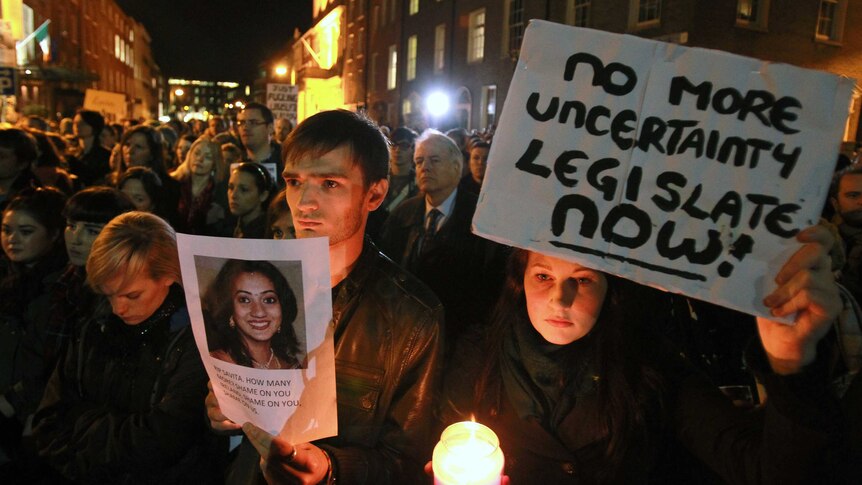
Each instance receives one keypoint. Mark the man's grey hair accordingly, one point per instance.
(433, 136)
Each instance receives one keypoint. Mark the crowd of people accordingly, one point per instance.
(584, 376)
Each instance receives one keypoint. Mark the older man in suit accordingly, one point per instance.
(429, 235)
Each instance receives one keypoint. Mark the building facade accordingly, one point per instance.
(80, 45)
(394, 57)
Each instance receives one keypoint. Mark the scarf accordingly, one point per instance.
(543, 380)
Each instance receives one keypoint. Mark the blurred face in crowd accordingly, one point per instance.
(282, 129)
(401, 158)
(256, 308)
(202, 160)
(478, 163)
(140, 198)
(436, 170)
(282, 228)
(108, 138)
(563, 298)
(183, 147)
(244, 197)
(230, 157)
(327, 196)
(848, 202)
(81, 128)
(9, 166)
(253, 130)
(216, 125)
(135, 299)
(136, 151)
(79, 237)
(24, 239)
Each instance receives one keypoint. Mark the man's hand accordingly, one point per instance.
(807, 288)
(218, 421)
(282, 462)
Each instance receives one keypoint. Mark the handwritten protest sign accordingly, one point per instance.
(281, 99)
(106, 102)
(682, 168)
(260, 312)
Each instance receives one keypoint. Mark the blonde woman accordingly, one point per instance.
(124, 405)
(203, 194)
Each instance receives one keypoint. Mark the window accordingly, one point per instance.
(644, 14)
(578, 13)
(515, 25)
(411, 57)
(476, 36)
(489, 106)
(440, 47)
(830, 20)
(413, 9)
(752, 14)
(406, 107)
(116, 46)
(392, 72)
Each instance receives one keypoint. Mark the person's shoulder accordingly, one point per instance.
(399, 288)
(222, 355)
(406, 209)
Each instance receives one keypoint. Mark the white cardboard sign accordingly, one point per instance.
(683, 168)
(297, 403)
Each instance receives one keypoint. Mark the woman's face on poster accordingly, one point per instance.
(256, 307)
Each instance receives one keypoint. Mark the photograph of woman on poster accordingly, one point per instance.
(249, 310)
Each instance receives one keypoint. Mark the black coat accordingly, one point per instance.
(126, 405)
(789, 441)
(464, 270)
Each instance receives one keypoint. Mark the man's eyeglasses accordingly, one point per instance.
(252, 123)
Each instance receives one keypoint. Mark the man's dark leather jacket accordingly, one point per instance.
(388, 351)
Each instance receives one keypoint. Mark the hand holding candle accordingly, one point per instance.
(468, 453)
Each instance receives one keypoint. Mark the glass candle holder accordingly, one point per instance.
(468, 453)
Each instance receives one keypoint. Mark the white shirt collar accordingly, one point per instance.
(445, 208)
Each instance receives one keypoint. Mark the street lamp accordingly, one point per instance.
(437, 104)
(179, 92)
(280, 70)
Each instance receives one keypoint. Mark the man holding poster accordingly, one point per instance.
(388, 326)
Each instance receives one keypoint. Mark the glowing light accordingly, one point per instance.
(437, 104)
(27, 71)
(164, 119)
(179, 92)
(280, 70)
(467, 452)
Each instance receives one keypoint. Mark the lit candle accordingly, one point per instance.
(468, 453)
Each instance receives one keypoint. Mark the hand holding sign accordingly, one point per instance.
(806, 289)
(282, 462)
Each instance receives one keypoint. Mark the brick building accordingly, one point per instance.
(392, 54)
(93, 45)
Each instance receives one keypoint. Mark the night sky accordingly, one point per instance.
(218, 39)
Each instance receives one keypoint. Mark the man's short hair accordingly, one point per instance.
(433, 136)
(265, 112)
(854, 169)
(328, 130)
(402, 133)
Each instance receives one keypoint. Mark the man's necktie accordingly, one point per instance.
(433, 218)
